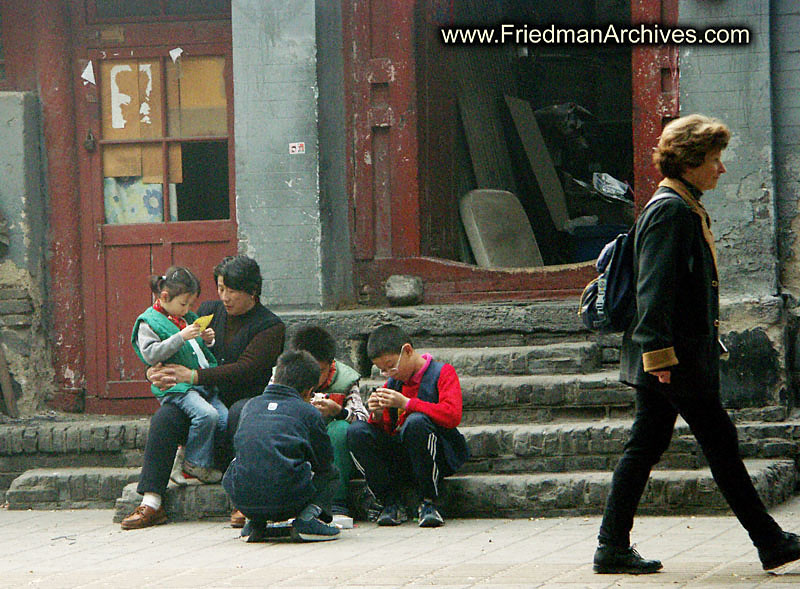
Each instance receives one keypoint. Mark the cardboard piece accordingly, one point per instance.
(498, 230)
(539, 158)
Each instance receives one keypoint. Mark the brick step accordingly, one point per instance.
(561, 358)
(70, 442)
(69, 488)
(563, 447)
(540, 398)
(670, 492)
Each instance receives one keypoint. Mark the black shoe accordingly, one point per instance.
(313, 530)
(265, 531)
(785, 550)
(615, 559)
(392, 515)
(429, 516)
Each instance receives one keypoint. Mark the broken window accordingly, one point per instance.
(164, 139)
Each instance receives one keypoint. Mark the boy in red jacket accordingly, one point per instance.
(411, 431)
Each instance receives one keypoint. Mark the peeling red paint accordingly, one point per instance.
(58, 121)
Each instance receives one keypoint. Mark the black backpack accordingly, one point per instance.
(608, 303)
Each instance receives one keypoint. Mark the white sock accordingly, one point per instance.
(152, 500)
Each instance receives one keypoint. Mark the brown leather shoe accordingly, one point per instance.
(144, 516)
(237, 519)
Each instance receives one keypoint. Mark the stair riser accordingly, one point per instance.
(553, 359)
(521, 496)
(90, 490)
(474, 497)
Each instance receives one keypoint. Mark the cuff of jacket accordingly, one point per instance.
(659, 359)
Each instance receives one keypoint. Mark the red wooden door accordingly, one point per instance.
(155, 129)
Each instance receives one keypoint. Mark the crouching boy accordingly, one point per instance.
(412, 431)
(283, 466)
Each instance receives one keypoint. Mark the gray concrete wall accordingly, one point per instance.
(785, 36)
(734, 83)
(23, 331)
(337, 258)
(275, 104)
(21, 197)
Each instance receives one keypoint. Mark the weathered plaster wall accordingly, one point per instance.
(275, 104)
(22, 201)
(337, 258)
(785, 36)
(733, 83)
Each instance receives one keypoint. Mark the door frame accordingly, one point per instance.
(76, 238)
(383, 147)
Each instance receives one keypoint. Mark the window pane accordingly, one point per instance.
(197, 102)
(203, 194)
(179, 7)
(122, 8)
(130, 200)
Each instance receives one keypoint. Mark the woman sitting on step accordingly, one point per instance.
(249, 339)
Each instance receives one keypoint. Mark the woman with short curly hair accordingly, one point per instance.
(671, 351)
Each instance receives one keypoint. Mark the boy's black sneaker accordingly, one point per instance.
(429, 516)
(265, 531)
(313, 530)
(785, 550)
(392, 515)
(610, 559)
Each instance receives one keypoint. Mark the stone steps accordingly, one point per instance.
(562, 447)
(69, 488)
(539, 397)
(558, 358)
(524, 495)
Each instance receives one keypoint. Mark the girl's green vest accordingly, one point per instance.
(185, 356)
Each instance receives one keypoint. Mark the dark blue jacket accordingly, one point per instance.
(281, 444)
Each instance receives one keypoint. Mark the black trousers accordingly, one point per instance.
(656, 412)
(324, 488)
(388, 462)
(169, 428)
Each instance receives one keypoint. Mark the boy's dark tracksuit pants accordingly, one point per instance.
(414, 454)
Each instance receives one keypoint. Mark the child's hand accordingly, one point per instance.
(328, 407)
(390, 398)
(191, 331)
(374, 404)
(208, 336)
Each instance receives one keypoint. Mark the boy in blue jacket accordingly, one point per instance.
(283, 467)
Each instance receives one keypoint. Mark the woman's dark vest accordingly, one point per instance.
(255, 321)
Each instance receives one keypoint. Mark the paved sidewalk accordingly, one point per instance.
(84, 549)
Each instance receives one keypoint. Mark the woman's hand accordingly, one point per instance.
(208, 336)
(328, 407)
(165, 376)
(663, 376)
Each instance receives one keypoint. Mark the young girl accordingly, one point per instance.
(166, 333)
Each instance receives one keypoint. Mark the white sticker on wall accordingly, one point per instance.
(299, 147)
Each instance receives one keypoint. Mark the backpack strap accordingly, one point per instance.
(662, 193)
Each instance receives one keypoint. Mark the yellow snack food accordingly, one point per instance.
(204, 321)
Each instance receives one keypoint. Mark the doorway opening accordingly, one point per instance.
(551, 124)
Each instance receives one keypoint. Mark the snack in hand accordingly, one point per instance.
(204, 321)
